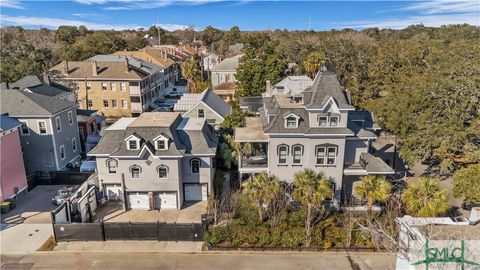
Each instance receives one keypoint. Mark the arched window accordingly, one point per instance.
(162, 172)
(282, 152)
(135, 171)
(112, 166)
(297, 152)
(195, 165)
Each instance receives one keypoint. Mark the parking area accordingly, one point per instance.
(190, 213)
(33, 207)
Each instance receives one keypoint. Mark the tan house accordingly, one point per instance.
(115, 87)
(223, 77)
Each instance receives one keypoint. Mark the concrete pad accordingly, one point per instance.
(179, 247)
(129, 246)
(24, 238)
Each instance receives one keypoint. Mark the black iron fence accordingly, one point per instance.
(102, 231)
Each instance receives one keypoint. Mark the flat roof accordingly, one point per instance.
(285, 102)
(191, 124)
(252, 132)
(121, 123)
(155, 119)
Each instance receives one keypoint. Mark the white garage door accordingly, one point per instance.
(138, 201)
(113, 192)
(195, 192)
(166, 200)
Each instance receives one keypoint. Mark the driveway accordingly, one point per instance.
(190, 213)
(33, 207)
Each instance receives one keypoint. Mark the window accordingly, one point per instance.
(70, 118)
(297, 154)
(195, 164)
(135, 170)
(162, 172)
(333, 121)
(132, 145)
(62, 152)
(105, 103)
(42, 127)
(201, 113)
(58, 123)
(24, 130)
(113, 86)
(282, 154)
(320, 155)
(90, 103)
(331, 153)
(124, 103)
(291, 122)
(112, 166)
(297, 99)
(74, 144)
(135, 99)
(104, 86)
(80, 105)
(123, 87)
(161, 145)
(89, 86)
(114, 103)
(227, 78)
(322, 121)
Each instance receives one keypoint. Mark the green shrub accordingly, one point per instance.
(276, 235)
(297, 218)
(293, 237)
(336, 235)
(244, 235)
(263, 236)
(317, 236)
(216, 235)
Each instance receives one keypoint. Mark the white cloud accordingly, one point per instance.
(445, 6)
(141, 4)
(55, 23)
(11, 4)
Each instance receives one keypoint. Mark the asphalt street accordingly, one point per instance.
(230, 261)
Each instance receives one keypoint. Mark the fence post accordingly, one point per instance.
(103, 229)
(175, 231)
(158, 228)
(193, 232)
(129, 230)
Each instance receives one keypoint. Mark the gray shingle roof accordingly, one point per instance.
(375, 165)
(7, 123)
(324, 86)
(21, 103)
(228, 64)
(136, 62)
(251, 103)
(40, 86)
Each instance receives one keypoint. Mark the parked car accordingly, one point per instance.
(175, 93)
(469, 205)
(63, 194)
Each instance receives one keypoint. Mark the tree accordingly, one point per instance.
(313, 62)
(374, 189)
(425, 199)
(235, 119)
(262, 189)
(311, 189)
(466, 182)
(211, 35)
(191, 72)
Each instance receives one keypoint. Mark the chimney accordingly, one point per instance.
(65, 68)
(165, 54)
(269, 89)
(127, 65)
(94, 68)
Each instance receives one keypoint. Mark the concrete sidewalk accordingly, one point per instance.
(129, 246)
(24, 238)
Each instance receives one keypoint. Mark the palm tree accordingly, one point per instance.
(425, 199)
(311, 189)
(374, 189)
(313, 62)
(263, 188)
(191, 72)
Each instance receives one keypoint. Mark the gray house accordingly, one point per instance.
(316, 128)
(49, 131)
(206, 105)
(42, 86)
(156, 161)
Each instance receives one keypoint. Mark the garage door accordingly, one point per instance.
(166, 200)
(195, 192)
(138, 201)
(113, 192)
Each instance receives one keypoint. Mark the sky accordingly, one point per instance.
(246, 14)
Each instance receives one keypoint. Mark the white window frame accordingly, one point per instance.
(104, 86)
(62, 149)
(199, 165)
(330, 120)
(109, 167)
(157, 145)
(293, 154)
(292, 115)
(38, 126)
(21, 129)
(326, 120)
(289, 119)
(166, 171)
(139, 171)
(114, 103)
(123, 87)
(334, 156)
(198, 113)
(113, 86)
(137, 144)
(103, 103)
(88, 86)
(324, 155)
(280, 156)
(74, 144)
(124, 103)
(70, 118)
(58, 124)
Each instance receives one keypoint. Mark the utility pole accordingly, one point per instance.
(158, 30)
(86, 92)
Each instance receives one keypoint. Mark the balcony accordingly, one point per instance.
(368, 164)
(253, 155)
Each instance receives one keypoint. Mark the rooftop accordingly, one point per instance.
(191, 124)
(21, 103)
(7, 123)
(155, 119)
(121, 124)
(230, 86)
(228, 64)
(252, 132)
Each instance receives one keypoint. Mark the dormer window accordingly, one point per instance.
(322, 121)
(161, 143)
(133, 142)
(334, 121)
(291, 121)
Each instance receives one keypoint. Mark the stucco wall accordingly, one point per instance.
(12, 173)
(209, 113)
(353, 150)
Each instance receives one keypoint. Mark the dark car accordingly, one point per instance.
(469, 205)
(62, 195)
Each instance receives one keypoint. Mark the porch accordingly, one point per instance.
(253, 146)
